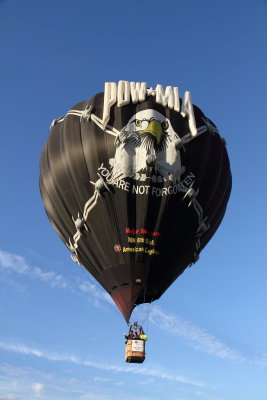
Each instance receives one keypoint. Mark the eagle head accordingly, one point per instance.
(147, 140)
(153, 127)
(149, 127)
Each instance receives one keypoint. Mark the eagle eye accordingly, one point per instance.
(165, 125)
(141, 125)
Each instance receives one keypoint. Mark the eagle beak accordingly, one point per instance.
(155, 129)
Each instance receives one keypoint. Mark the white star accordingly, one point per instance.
(151, 92)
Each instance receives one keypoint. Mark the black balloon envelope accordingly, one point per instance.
(135, 181)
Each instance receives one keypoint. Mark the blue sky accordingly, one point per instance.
(60, 334)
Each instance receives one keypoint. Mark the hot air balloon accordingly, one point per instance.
(135, 181)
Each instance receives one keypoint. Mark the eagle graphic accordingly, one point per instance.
(147, 142)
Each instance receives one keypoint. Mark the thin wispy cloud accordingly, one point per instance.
(98, 295)
(10, 397)
(109, 395)
(149, 381)
(194, 336)
(29, 383)
(101, 379)
(15, 263)
(206, 396)
(19, 373)
(26, 383)
(261, 360)
(19, 348)
(20, 383)
(37, 388)
(198, 338)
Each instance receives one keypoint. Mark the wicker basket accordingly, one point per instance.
(135, 351)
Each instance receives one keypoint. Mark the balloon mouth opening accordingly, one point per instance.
(125, 297)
